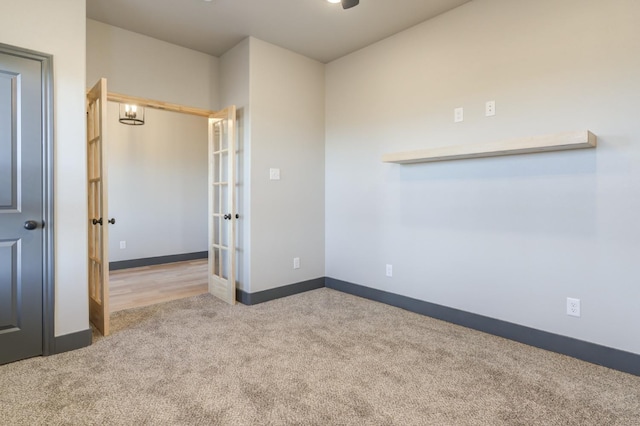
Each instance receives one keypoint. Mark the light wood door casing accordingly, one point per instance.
(98, 207)
(222, 205)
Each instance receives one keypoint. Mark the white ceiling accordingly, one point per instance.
(314, 28)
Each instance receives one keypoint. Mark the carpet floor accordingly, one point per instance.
(317, 358)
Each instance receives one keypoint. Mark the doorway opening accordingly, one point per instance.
(157, 192)
(221, 197)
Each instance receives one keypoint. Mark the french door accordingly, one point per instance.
(98, 207)
(222, 204)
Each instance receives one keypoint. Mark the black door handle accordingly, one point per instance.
(99, 221)
(227, 216)
(30, 225)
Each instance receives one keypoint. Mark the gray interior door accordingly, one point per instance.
(21, 208)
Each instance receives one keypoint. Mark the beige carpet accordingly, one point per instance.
(318, 358)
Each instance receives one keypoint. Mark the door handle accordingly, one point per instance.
(227, 216)
(30, 225)
(99, 221)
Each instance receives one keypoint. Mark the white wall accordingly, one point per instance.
(235, 90)
(509, 237)
(58, 28)
(287, 132)
(138, 65)
(157, 184)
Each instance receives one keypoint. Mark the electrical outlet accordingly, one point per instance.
(458, 115)
(573, 307)
(490, 108)
(296, 263)
(389, 270)
(123, 244)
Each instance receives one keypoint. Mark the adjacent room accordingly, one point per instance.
(434, 212)
(157, 194)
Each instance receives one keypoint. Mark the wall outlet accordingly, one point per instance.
(490, 108)
(573, 307)
(458, 115)
(296, 263)
(389, 270)
(274, 174)
(123, 244)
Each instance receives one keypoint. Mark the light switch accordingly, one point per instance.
(274, 174)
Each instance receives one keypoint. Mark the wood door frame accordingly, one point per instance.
(164, 106)
(48, 255)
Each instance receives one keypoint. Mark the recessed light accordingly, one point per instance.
(333, 1)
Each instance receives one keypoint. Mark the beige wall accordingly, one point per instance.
(158, 176)
(58, 28)
(235, 90)
(287, 132)
(280, 96)
(511, 237)
(138, 65)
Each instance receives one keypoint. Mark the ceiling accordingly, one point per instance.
(313, 28)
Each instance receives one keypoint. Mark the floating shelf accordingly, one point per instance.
(554, 142)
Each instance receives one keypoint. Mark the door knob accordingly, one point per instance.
(112, 221)
(30, 225)
(227, 216)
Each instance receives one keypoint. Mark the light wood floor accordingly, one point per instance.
(148, 285)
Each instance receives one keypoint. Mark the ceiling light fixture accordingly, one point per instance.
(132, 115)
(346, 4)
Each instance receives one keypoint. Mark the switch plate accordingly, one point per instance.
(274, 174)
(458, 115)
(573, 307)
(389, 270)
(490, 108)
(296, 263)
(123, 244)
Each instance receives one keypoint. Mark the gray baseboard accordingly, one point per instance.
(597, 354)
(158, 260)
(276, 293)
(72, 341)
